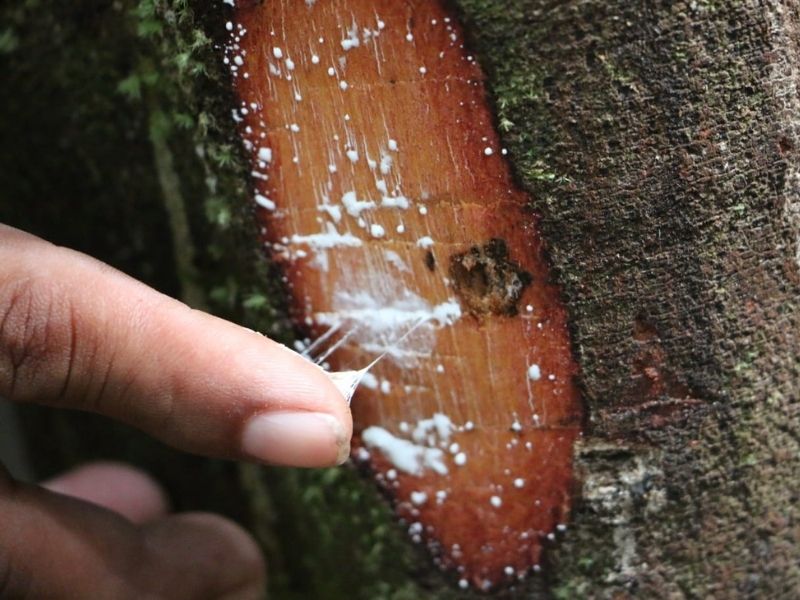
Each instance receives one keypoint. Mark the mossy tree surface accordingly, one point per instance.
(660, 145)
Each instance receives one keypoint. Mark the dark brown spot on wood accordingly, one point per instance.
(643, 330)
(487, 281)
(430, 260)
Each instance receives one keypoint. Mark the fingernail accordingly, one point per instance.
(297, 439)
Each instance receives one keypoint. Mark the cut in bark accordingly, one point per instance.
(385, 194)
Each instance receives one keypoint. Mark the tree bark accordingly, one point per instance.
(670, 133)
(659, 143)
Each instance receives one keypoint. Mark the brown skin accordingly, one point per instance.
(76, 334)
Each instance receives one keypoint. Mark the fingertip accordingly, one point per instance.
(126, 490)
(215, 554)
(296, 439)
(312, 384)
(264, 374)
(292, 383)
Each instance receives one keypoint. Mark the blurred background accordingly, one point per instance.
(13, 453)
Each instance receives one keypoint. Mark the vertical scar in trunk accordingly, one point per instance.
(383, 190)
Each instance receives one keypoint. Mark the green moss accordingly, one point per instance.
(516, 85)
(8, 41)
(357, 549)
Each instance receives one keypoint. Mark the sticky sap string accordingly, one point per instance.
(347, 381)
(312, 347)
(321, 358)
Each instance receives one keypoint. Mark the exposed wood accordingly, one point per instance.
(385, 193)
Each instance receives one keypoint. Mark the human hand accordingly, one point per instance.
(75, 333)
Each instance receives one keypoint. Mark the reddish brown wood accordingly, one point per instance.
(411, 80)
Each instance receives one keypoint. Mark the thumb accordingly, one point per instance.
(54, 546)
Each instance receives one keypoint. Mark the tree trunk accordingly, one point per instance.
(659, 144)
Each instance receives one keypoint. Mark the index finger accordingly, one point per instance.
(76, 333)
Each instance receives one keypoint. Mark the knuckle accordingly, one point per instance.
(36, 340)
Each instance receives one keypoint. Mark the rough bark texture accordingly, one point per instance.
(669, 130)
(660, 143)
